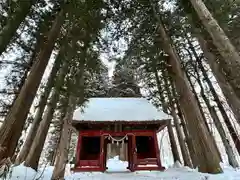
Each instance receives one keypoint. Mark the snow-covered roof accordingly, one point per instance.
(119, 109)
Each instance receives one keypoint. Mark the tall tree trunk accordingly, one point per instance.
(175, 153)
(231, 59)
(203, 115)
(204, 147)
(184, 150)
(188, 138)
(33, 156)
(40, 39)
(231, 157)
(11, 129)
(38, 116)
(54, 155)
(62, 157)
(212, 59)
(52, 159)
(13, 22)
(38, 143)
(226, 119)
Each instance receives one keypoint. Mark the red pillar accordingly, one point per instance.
(134, 153)
(102, 154)
(79, 145)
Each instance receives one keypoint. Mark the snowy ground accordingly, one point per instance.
(117, 171)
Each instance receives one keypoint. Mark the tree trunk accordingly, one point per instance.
(37, 146)
(54, 155)
(11, 129)
(53, 158)
(188, 138)
(205, 120)
(231, 157)
(33, 156)
(38, 116)
(40, 39)
(175, 153)
(13, 22)
(184, 150)
(226, 119)
(209, 161)
(176, 156)
(232, 99)
(231, 59)
(62, 156)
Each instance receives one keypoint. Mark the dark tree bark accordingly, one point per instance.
(231, 58)
(212, 59)
(38, 116)
(204, 147)
(227, 121)
(52, 159)
(188, 138)
(11, 129)
(203, 115)
(231, 157)
(32, 159)
(13, 22)
(62, 157)
(184, 150)
(176, 156)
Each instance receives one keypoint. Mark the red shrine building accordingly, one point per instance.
(126, 127)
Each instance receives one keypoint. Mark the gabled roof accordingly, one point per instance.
(119, 109)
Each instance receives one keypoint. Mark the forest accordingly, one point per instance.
(182, 54)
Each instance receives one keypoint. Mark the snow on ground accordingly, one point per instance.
(117, 171)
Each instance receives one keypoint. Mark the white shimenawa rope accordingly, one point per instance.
(117, 140)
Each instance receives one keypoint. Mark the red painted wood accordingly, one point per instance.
(149, 168)
(112, 133)
(100, 163)
(78, 149)
(89, 163)
(134, 153)
(87, 169)
(102, 155)
(130, 157)
(146, 161)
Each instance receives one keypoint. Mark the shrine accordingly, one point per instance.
(124, 126)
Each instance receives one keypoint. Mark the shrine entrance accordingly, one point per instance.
(117, 157)
(124, 127)
(138, 148)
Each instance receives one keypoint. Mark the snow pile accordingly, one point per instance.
(26, 173)
(176, 172)
(115, 165)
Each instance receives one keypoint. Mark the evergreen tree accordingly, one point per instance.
(124, 83)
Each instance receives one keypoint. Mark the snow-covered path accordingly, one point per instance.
(177, 173)
(170, 174)
(116, 172)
